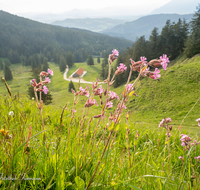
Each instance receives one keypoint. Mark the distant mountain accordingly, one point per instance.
(178, 7)
(93, 24)
(28, 37)
(144, 25)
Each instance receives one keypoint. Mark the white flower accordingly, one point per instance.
(11, 113)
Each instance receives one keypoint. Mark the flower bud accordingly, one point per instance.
(155, 63)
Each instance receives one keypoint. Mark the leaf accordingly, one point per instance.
(117, 127)
(80, 183)
(49, 184)
(131, 93)
(133, 187)
(110, 128)
(124, 92)
(87, 176)
(71, 171)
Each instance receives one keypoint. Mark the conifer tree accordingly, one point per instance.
(90, 60)
(71, 86)
(62, 64)
(7, 62)
(192, 45)
(45, 64)
(70, 59)
(98, 60)
(7, 73)
(1, 65)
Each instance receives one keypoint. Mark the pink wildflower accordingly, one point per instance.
(120, 69)
(185, 140)
(129, 87)
(50, 71)
(47, 80)
(45, 89)
(112, 95)
(98, 91)
(156, 73)
(181, 158)
(143, 59)
(84, 92)
(73, 110)
(90, 102)
(197, 158)
(168, 120)
(165, 121)
(162, 123)
(198, 121)
(33, 82)
(112, 56)
(115, 52)
(109, 105)
(164, 62)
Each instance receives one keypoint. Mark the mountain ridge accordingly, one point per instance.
(144, 25)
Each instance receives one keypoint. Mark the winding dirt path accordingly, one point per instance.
(81, 80)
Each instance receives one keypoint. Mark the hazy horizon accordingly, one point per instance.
(61, 6)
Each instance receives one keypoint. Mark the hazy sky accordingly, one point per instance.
(56, 6)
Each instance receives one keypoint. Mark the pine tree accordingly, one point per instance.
(7, 62)
(7, 73)
(71, 86)
(1, 65)
(90, 60)
(192, 45)
(70, 59)
(153, 44)
(62, 64)
(45, 64)
(98, 60)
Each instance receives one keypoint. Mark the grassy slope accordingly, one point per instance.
(173, 96)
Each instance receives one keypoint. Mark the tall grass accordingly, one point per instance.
(75, 151)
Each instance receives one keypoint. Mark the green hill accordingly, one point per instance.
(173, 96)
(28, 37)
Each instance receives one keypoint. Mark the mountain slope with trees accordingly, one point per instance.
(20, 36)
(144, 25)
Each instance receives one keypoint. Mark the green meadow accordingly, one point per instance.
(74, 150)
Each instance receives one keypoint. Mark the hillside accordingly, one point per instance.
(173, 96)
(28, 37)
(93, 24)
(144, 25)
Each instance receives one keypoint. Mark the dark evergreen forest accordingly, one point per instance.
(24, 37)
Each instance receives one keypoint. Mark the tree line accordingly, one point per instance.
(175, 39)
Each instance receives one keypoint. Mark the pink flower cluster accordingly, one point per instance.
(197, 158)
(120, 69)
(40, 86)
(164, 122)
(198, 121)
(113, 56)
(90, 102)
(83, 92)
(185, 139)
(137, 66)
(112, 95)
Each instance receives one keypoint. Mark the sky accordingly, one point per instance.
(59, 6)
